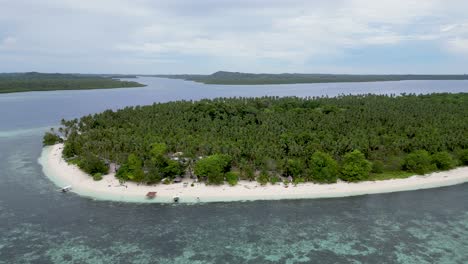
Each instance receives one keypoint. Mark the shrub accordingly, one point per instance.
(323, 168)
(377, 166)
(213, 167)
(294, 167)
(263, 178)
(97, 176)
(355, 167)
(274, 179)
(131, 170)
(463, 157)
(232, 178)
(418, 161)
(50, 139)
(298, 180)
(92, 164)
(68, 150)
(443, 160)
(393, 163)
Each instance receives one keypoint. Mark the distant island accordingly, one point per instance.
(34, 81)
(239, 78)
(271, 140)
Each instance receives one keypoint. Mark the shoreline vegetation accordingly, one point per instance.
(110, 188)
(239, 78)
(271, 141)
(34, 81)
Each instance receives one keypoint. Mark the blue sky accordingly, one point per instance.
(204, 36)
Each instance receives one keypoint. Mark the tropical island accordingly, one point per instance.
(34, 81)
(350, 144)
(240, 78)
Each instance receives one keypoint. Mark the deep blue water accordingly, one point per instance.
(40, 225)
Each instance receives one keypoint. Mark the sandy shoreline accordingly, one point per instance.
(109, 188)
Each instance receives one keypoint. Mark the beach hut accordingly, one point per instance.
(151, 195)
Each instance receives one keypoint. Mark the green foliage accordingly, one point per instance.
(298, 180)
(33, 81)
(50, 139)
(92, 164)
(463, 157)
(419, 162)
(272, 133)
(68, 150)
(274, 179)
(131, 170)
(393, 163)
(158, 150)
(232, 178)
(377, 166)
(443, 160)
(263, 177)
(387, 175)
(247, 171)
(154, 175)
(173, 168)
(323, 168)
(294, 168)
(224, 77)
(97, 176)
(213, 168)
(355, 167)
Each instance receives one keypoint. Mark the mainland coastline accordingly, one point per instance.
(109, 188)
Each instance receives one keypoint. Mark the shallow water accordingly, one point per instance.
(40, 225)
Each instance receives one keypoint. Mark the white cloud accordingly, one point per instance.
(7, 43)
(243, 33)
(458, 45)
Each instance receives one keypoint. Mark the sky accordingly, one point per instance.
(204, 36)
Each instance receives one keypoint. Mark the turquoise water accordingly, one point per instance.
(40, 225)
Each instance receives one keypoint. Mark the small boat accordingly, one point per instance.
(65, 189)
(151, 195)
(176, 199)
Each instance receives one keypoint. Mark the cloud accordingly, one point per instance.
(8, 42)
(207, 35)
(458, 46)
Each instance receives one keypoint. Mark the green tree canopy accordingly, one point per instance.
(418, 162)
(92, 164)
(295, 167)
(232, 178)
(323, 168)
(213, 168)
(50, 139)
(132, 169)
(443, 160)
(279, 134)
(355, 167)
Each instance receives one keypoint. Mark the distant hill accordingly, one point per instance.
(239, 78)
(34, 81)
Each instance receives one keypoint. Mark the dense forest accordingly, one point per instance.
(238, 78)
(269, 139)
(33, 81)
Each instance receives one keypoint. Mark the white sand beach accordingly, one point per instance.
(109, 188)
